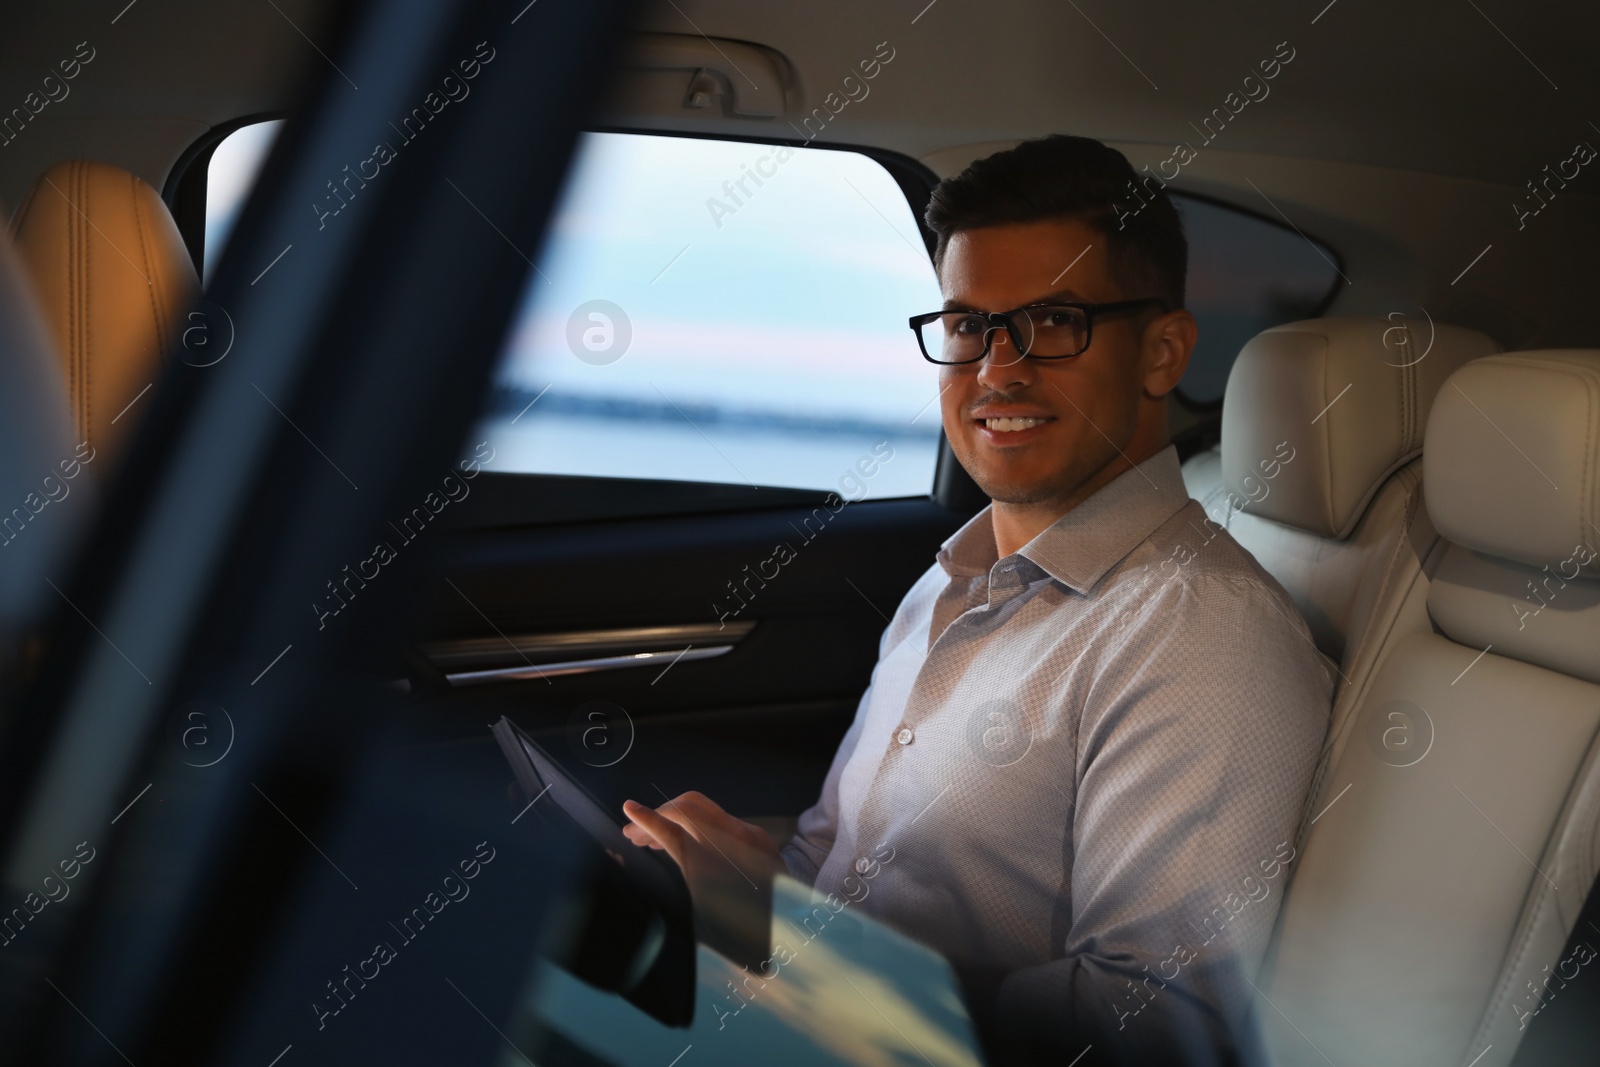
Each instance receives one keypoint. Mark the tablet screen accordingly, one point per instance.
(544, 781)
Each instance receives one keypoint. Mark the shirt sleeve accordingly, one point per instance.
(1199, 737)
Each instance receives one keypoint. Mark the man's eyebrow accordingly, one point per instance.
(1065, 296)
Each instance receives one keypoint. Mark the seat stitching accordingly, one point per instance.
(150, 273)
(1350, 692)
(1407, 517)
(1339, 726)
(80, 186)
(1353, 694)
(88, 277)
(69, 352)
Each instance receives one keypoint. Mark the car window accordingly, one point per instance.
(723, 311)
(777, 355)
(1246, 273)
(229, 176)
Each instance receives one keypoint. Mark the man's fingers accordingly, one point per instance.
(640, 836)
(668, 834)
(704, 818)
(690, 806)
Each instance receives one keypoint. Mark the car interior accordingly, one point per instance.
(553, 354)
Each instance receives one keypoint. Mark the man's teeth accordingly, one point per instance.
(1010, 425)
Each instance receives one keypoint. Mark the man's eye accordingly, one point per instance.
(970, 325)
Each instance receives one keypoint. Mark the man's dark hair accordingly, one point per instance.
(1062, 177)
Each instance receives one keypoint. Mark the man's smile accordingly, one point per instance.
(1007, 426)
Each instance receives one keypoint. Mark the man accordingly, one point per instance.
(1094, 720)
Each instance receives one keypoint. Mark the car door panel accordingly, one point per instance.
(755, 726)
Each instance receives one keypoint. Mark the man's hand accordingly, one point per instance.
(702, 820)
(728, 863)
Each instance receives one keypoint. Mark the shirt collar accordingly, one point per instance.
(1081, 546)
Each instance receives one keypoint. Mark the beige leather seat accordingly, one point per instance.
(113, 277)
(1456, 836)
(1318, 475)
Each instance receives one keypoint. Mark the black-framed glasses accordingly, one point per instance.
(1042, 331)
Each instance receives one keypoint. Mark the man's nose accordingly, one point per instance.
(1004, 367)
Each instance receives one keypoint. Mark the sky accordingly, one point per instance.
(796, 302)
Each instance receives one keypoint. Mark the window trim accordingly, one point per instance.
(507, 499)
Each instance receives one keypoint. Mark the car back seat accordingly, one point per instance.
(1318, 475)
(1458, 832)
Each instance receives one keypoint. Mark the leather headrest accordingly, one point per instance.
(1512, 467)
(113, 278)
(1346, 400)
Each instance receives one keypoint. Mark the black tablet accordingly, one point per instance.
(544, 781)
(632, 932)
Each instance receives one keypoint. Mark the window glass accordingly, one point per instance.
(723, 311)
(1246, 273)
(234, 165)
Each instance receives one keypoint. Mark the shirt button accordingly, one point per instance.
(905, 735)
(863, 865)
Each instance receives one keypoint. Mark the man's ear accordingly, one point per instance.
(1168, 343)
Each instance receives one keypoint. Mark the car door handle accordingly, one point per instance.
(478, 661)
(586, 666)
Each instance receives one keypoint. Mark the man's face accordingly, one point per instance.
(1086, 407)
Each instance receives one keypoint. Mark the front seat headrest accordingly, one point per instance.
(1512, 467)
(113, 277)
(1347, 399)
